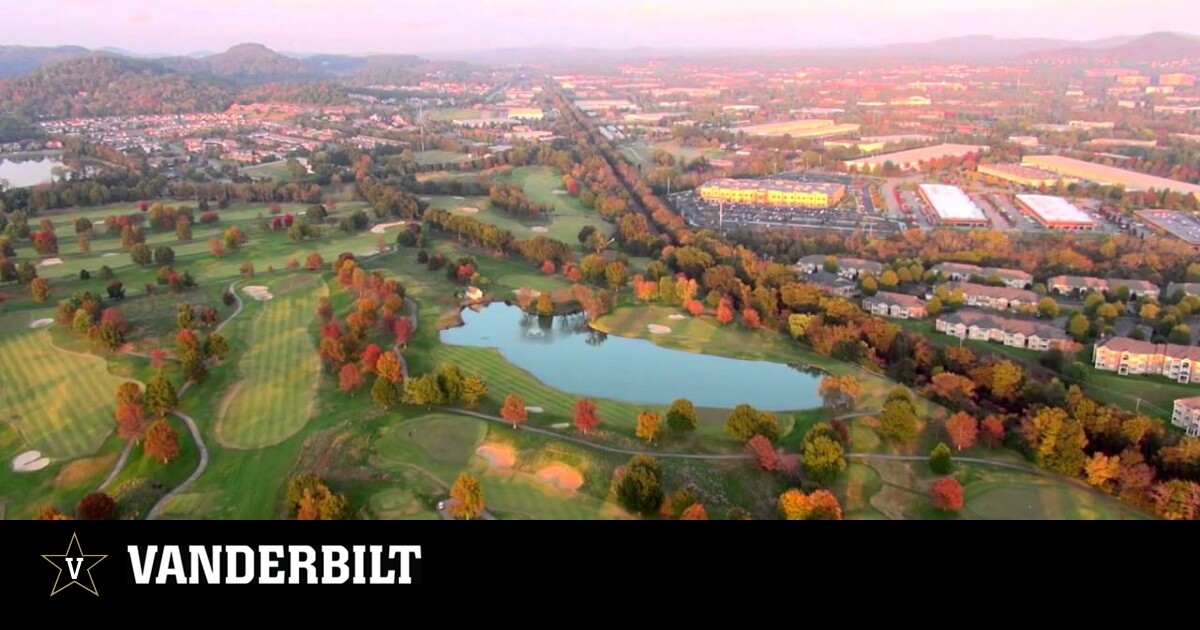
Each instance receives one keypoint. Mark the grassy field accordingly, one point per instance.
(640, 153)
(61, 403)
(452, 114)
(275, 397)
(277, 171)
(437, 156)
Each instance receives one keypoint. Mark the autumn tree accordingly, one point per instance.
(725, 311)
(466, 498)
(160, 397)
(350, 378)
(587, 419)
(513, 410)
(384, 393)
(474, 389)
(991, 431)
(39, 289)
(639, 485)
(946, 494)
(839, 392)
(649, 426)
(162, 443)
(50, 513)
(402, 330)
(1006, 380)
(764, 452)
(1101, 470)
(824, 457)
(751, 319)
(939, 459)
(898, 420)
(423, 390)
(1056, 439)
(96, 506)
(694, 512)
(962, 429)
(681, 416)
(216, 247)
(388, 367)
(794, 505)
(1177, 500)
(131, 420)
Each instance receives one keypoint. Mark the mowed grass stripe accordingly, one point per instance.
(275, 396)
(61, 403)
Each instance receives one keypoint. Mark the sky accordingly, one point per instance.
(446, 26)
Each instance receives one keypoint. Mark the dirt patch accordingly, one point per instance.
(658, 329)
(41, 323)
(539, 229)
(379, 229)
(497, 455)
(50, 262)
(468, 210)
(561, 476)
(29, 461)
(81, 471)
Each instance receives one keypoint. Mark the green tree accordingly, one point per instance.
(160, 396)
(898, 419)
(889, 280)
(474, 389)
(939, 459)
(1180, 335)
(164, 255)
(450, 382)
(681, 415)
(746, 422)
(141, 254)
(423, 390)
(639, 489)
(1078, 327)
(1056, 439)
(1048, 308)
(824, 457)
(216, 346)
(384, 393)
(868, 285)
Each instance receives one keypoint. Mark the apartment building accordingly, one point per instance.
(999, 298)
(896, 305)
(849, 268)
(1018, 333)
(1186, 415)
(1127, 356)
(1078, 285)
(962, 272)
(773, 192)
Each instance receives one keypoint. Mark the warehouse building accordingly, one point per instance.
(952, 205)
(1184, 227)
(1107, 175)
(773, 192)
(1055, 213)
(913, 158)
(1023, 175)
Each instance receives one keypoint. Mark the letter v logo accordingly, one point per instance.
(73, 566)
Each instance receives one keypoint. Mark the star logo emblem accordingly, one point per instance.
(76, 565)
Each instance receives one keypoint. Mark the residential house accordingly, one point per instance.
(898, 305)
(1130, 356)
(1018, 333)
(1187, 415)
(999, 298)
(962, 272)
(849, 268)
(1078, 285)
(1188, 288)
(834, 283)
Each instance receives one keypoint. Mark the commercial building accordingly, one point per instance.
(952, 205)
(1078, 285)
(1055, 213)
(1018, 333)
(1186, 415)
(913, 158)
(807, 128)
(1024, 175)
(1184, 227)
(597, 105)
(1090, 124)
(526, 113)
(962, 272)
(1129, 356)
(898, 305)
(1107, 175)
(1177, 78)
(849, 268)
(773, 192)
(1187, 288)
(999, 298)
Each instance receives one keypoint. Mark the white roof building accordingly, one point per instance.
(1055, 212)
(952, 205)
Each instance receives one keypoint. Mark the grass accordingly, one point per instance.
(447, 114)
(61, 403)
(275, 397)
(437, 156)
(277, 171)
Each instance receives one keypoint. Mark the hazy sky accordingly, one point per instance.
(414, 26)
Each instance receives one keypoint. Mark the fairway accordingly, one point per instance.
(276, 394)
(1000, 496)
(62, 403)
(431, 441)
(398, 504)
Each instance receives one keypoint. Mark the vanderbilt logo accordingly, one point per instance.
(76, 565)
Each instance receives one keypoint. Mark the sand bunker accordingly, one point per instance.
(460, 198)
(426, 199)
(468, 210)
(539, 229)
(531, 292)
(560, 425)
(497, 455)
(258, 292)
(41, 323)
(562, 476)
(559, 192)
(378, 229)
(368, 253)
(29, 461)
(534, 409)
(677, 316)
(109, 255)
(50, 261)
(658, 329)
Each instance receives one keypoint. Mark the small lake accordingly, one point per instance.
(22, 173)
(565, 354)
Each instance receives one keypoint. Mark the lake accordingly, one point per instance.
(565, 354)
(22, 173)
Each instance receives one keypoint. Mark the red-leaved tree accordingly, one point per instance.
(765, 452)
(947, 494)
(350, 378)
(962, 429)
(587, 420)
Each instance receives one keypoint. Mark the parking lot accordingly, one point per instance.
(700, 213)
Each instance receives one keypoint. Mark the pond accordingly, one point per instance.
(22, 173)
(564, 353)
